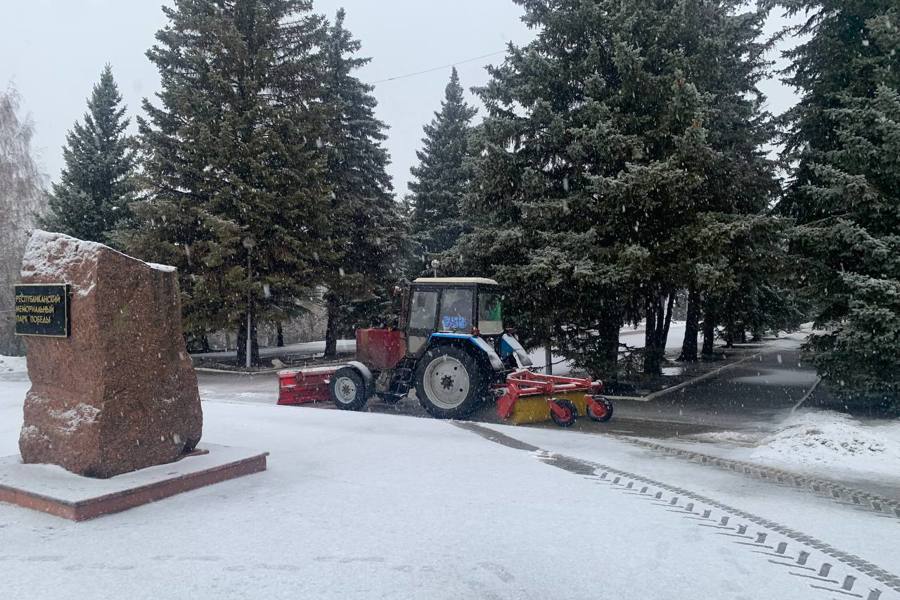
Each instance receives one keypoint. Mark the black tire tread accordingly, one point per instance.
(362, 395)
(479, 382)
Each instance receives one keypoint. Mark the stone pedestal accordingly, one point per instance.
(119, 394)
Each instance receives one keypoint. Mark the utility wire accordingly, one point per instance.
(433, 69)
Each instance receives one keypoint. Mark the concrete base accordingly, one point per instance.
(54, 490)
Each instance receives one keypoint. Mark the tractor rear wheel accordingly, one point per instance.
(450, 382)
(348, 389)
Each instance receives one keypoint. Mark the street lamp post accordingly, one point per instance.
(248, 243)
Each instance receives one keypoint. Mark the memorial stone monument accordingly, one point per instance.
(113, 389)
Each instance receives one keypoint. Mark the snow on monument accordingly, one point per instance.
(117, 393)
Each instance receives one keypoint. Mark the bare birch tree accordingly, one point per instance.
(22, 198)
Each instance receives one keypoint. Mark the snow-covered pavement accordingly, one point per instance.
(820, 443)
(362, 505)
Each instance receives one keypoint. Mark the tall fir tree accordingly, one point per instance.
(738, 274)
(236, 193)
(592, 167)
(843, 138)
(97, 183)
(367, 227)
(442, 178)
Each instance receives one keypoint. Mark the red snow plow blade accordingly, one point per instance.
(530, 397)
(305, 385)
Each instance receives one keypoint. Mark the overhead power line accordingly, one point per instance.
(433, 69)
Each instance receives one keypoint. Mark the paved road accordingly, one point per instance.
(748, 396)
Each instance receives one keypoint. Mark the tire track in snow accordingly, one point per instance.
(673, 499)
(825, 488)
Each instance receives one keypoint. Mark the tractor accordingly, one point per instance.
(450, 346)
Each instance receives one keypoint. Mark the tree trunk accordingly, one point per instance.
(659, 317)
(709, 332)
(729, 337)
(609, 348)
(279, 335)
(242, 341)
(331, 329)
(689, 345)
(548, 357)
(670, 305)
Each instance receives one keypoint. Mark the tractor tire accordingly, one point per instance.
(450, 382)
(607, 412)
(570, 413)
(347, 389)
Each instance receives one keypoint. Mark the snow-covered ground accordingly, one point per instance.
(823, 443)
(363, 505)
(12, 364)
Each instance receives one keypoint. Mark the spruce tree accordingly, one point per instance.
(97, 183)
(366, 226)
(236, 194)
(442, 177)
(844, 138)
(738, 249)
(593, 165)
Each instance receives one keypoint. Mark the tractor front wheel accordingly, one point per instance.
(450, 383)
(348, 389)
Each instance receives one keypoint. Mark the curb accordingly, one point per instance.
(689, 382)
(227, 372)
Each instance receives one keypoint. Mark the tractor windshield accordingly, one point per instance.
(490, 318)
(456, 310)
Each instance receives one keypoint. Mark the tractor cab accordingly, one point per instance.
(451, 305)
(439, 309)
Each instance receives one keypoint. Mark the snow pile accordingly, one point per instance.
(12, 364)
(834, 440)
(163, 268)
(739, 438)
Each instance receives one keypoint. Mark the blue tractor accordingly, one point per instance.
(450, 347)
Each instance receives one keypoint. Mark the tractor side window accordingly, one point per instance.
(421, 313)
(490, 318)
(456, 310)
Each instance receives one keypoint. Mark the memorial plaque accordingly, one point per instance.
(42, 310)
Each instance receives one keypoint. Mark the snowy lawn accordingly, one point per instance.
(361, 505)
(823, 443)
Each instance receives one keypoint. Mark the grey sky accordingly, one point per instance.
(53, 51)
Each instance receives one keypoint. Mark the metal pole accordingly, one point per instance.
(249, 300)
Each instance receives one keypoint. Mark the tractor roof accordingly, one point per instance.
(454, 280)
